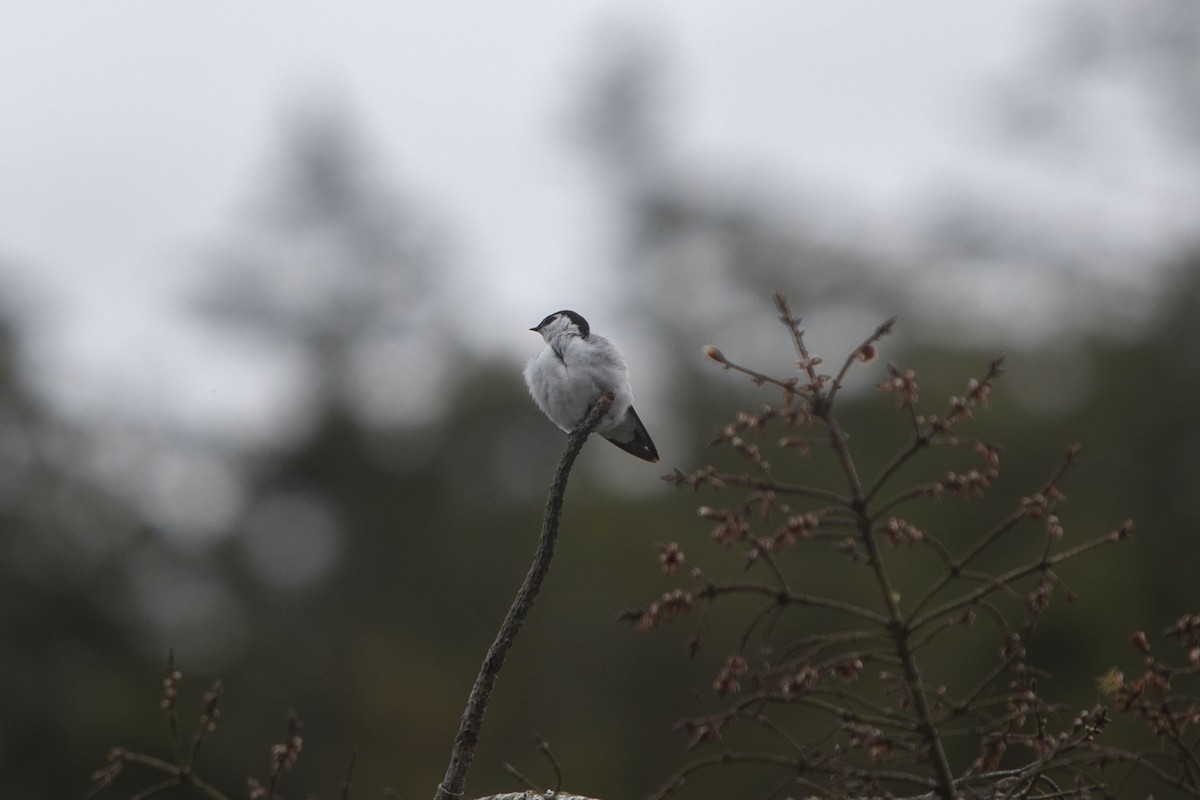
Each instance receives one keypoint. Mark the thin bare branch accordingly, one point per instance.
(785, 596)
(467, 738)
(797, 490)
(1006, 579)
(864, 352)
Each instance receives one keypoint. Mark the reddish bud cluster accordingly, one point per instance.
(1034, 506)
(990, 453)
(664, 609)
(1124, 532)
(1053, 527)
(970, 484)
(170, 690)
(694, 480)
(795, 527)
(755, 422)
(992, 750)
(762, 546)
(724, 434)
(670, 557)
(1019, 706)
(1187, 630)
(849, 546)
(750, 450)
(728, 679)
(284, 756)
(1089, 724)
(1163, 718)
(960, 408)
(701, 731)
(1037, 506)
(793, 414)
(763, 502)
(877, 743)
(978, 391)
(1012, 648)
(1038, 600)
(730, 529)
(801, 443)
(899, 532)
(847, 670)
(903, 384)
(800, 682)
(1042, 506)
(812, 362)
(961, 405)
(210, 712)
(803, 680)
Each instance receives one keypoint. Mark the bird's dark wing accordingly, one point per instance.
(633, 438)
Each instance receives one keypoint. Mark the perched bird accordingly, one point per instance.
(575, 369)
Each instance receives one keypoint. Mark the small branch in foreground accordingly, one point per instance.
(463, 752)
(878, 724)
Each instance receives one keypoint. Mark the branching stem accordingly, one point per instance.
(469, 728)
(896, 624)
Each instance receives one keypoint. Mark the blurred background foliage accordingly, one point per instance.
(354, 567)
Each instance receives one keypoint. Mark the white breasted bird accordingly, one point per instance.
(575, 369)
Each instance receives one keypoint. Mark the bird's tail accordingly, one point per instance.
(631, 436)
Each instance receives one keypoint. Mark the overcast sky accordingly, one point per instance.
(136, 132)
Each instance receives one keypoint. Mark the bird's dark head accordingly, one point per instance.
(562, 322)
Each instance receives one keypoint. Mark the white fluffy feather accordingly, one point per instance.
(574, 369)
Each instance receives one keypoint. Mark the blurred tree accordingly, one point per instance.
(67, 661)
(699, 246)
(333, 266)
(1144, 58)
(1093, 189)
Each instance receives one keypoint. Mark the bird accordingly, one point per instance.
(574, 370)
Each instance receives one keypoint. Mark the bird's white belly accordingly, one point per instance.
(565, 393)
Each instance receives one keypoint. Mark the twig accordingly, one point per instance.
(1006, 579)
(757, 378)
(516, 773)
(158, 788)
(762, 484)
(170, 690)
(179, 776)
(956, 566)
(895, 624)
(864, 352)
(925, 435)
(544, 746)
(208, 721)
(794, 764)
(807, 363)
(785, 596)
(346, 782)
(467, 738)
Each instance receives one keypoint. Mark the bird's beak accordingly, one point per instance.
(535, 330)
